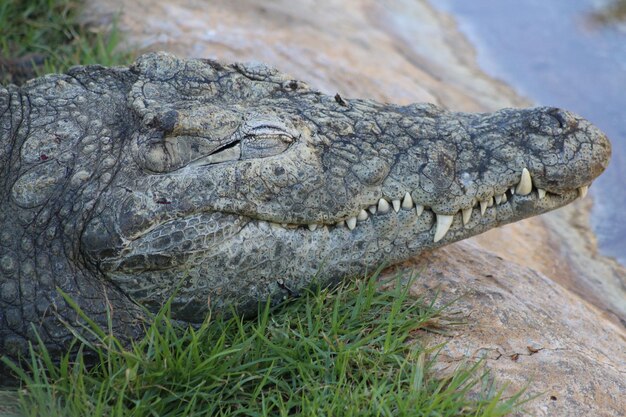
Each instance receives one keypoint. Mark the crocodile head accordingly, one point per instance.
(237, 183)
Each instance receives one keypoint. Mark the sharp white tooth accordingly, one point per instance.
(419, 209)
(362, 215)
(312, 227)
(467, 214)
(525, 185)
(396, 205)
(372, 209)
(483, 207)
(443, 225)
(407, 202)
(512, 190)
(504, 198)
(341, 223)
(582, 191)
(498, 199)
(490, 202)
(383, 206)
(541, 192)
(351, 222)
(283, 224)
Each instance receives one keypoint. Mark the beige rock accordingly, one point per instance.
(365, 49)
(529, 329)
(541, 305)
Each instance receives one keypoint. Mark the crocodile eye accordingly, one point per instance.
(175, 140)
(265, 140)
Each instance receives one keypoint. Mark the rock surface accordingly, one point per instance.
(529, 330)
(541, 305)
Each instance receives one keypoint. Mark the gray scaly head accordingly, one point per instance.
(235, 183)
(247, 183)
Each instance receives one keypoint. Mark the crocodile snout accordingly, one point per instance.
(562, 151)
(586, 152)
(601, 147)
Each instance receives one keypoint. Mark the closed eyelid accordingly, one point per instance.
(265, 129)
(257, 136)
(260, 124)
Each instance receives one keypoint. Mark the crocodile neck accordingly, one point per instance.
(39, 254)
(14, 110)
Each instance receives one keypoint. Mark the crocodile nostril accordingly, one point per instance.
(565, 119)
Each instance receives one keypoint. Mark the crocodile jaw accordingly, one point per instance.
(267, 258)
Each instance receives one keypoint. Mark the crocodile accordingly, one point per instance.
(217, 186)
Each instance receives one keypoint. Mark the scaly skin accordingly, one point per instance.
(235, 183)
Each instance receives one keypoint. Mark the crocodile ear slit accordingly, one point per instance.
(165, 122)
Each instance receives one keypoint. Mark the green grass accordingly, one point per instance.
(43, 36)
(350, 351)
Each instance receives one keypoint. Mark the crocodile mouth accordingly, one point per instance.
(469, 216)
(170, 244)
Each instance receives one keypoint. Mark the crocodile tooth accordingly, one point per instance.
(383, 206)
(351, 222)
(396, 205)
(443, 225)
(504, 198)
(498, 199)
(407, 202)
(419, 209)
(372, 209)
(512, 190)
(541, 192)
(582, 191)
(341, 223)
(467, 214)
(490, 202)
(284, 225)
(483, 207)
(362, 215)
(525, 185)
(312, 226)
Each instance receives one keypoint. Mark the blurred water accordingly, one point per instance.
(556, 53)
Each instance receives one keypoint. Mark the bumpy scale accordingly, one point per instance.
(228, 184)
